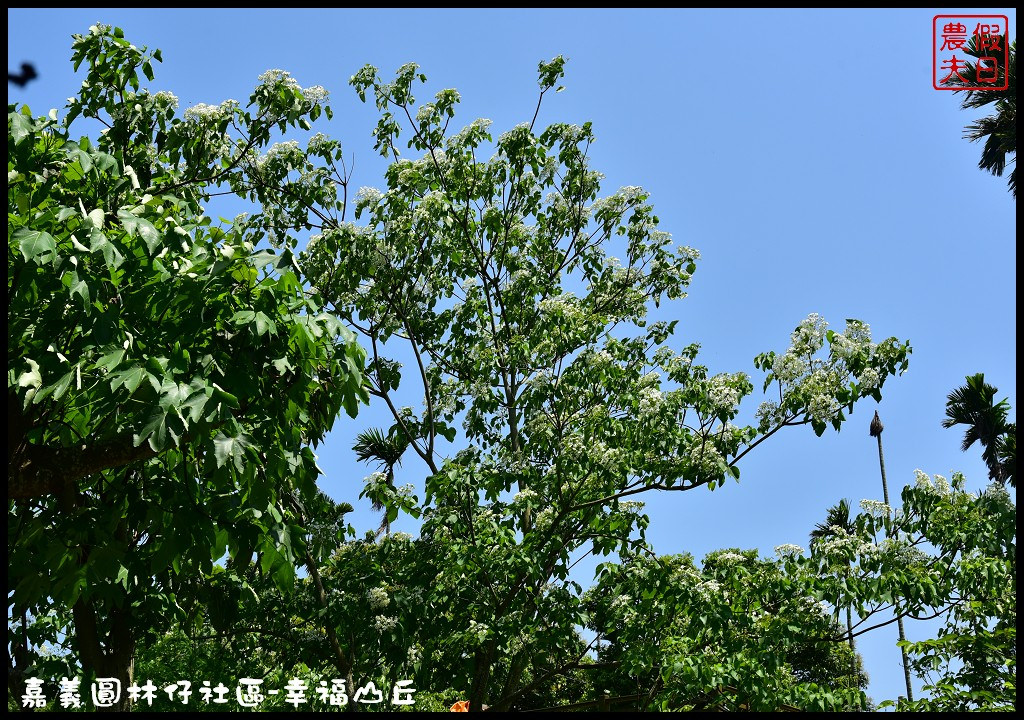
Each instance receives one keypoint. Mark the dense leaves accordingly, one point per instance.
(166, 378)
(169, 376)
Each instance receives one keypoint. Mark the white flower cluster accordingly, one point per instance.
(705, 458)
(902, 552)
(317, 142)
(478, 630)
(461, 138)
(857, 331)
(284, 156)
(524, 496)
(315, 94)
(606, 457)
(721, 394)
(875, 508)
(651, 401)
(202, 111)
(708, 588)
(823, 407)
(809, 335)
(622, 601)
(856, 338)
(788, 550)
(414, 653)
(166, 98)
(729, 557)
(400, 537)
(544, 518)
(602, 358)
(769, 414)
(789, 366)
(378, 598)
(564, 305)
(425, 112)
(273, 77)
(939, 485)
(509, 135)
(368, 196)
(383, 623)
(841, 545)
(869, 378)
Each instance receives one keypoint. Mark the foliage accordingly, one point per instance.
(736, 632)
(166, 378)
(999, 130)
(169, 375)
(947, 553)
(987, 422)
(494, 277)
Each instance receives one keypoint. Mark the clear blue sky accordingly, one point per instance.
(805, 153)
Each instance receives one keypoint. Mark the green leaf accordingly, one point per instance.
(136, 226)
(35, 245)
(110, 360)
(195, 404)
(81, 288)
(130, 378)
(21, 127)
(155, 430)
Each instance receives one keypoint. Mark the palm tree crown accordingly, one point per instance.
(386, 451)
(987, 422)
(999, 130)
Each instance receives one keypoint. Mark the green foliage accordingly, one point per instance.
(169, 376)
(999, 130)
(736, 632)
(166, 378)
(987, 423)
(492, 272)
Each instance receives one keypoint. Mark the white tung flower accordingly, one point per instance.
(722, 395)
(822, 407)
(378, 598)
(730, 557)
(202, 111)
(788, 550)
(788, 367)
(369, 195)
(317, 142)
(869, 378)
(705, 458)
(621, 601)
(809, 335)
(650, 401)
(383, 623)
(315, 94)
(876, 508)
(167, 98)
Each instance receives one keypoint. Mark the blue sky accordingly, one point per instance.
(804, 153)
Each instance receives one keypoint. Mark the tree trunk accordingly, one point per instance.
(481, 677)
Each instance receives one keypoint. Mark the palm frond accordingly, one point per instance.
(837, 516)
(385, 450)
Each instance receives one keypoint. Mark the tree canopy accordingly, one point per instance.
(170, 375)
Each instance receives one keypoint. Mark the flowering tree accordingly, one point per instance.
(946, 553)
(490, 261)
(735, 633)
(166, 378)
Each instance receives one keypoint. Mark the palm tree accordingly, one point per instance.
(876, 432)
(974, 405)
(837, 520)
(386, 451)
(1000, 129)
